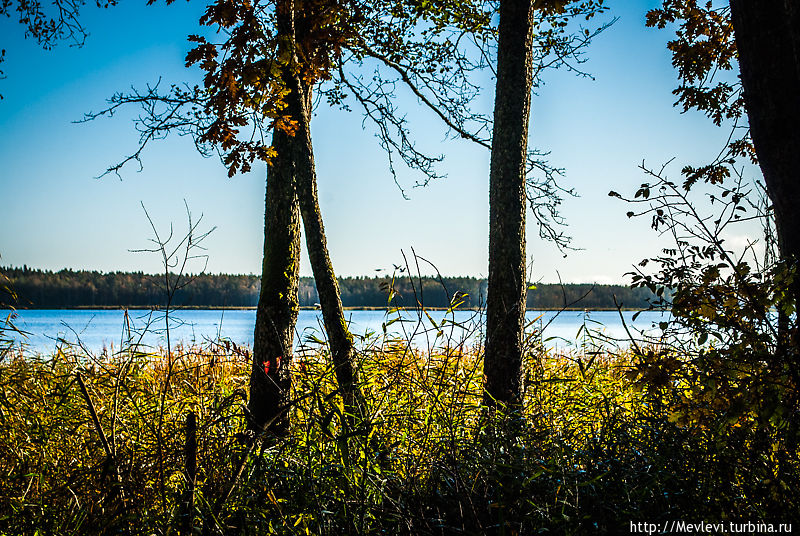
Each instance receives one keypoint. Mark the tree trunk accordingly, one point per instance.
(278, 306)
(292, 178)
(339, 337)
(505, 301)
(276, 316)
(768, 42)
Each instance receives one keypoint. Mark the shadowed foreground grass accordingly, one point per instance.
(592, 451)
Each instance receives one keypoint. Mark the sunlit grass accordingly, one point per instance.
(590, 451)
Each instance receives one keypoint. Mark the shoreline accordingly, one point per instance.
(302, 308)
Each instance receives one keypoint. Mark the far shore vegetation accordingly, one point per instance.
(45, 289)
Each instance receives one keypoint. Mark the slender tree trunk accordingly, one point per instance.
(339, 337)
(768, 42)
(505, 301)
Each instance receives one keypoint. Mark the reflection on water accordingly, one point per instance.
(98, 329)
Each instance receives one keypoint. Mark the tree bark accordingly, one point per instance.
(278, 306)
(339, 337)
(276, 315)
(768, 43)
(292, 190)
(505, 301)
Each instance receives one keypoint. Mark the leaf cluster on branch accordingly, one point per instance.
(703, 52)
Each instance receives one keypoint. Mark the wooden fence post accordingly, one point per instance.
(190, 456)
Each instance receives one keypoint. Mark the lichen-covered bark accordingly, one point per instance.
(292, 191)
(278, 306)
(768, 42)
(339, 338)
(505, 301)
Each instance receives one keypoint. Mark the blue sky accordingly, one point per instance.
(57, 214)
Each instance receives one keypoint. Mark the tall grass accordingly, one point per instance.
(591, 450)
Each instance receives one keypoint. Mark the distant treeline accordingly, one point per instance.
(69, 288)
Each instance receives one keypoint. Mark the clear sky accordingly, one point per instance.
(56, 214)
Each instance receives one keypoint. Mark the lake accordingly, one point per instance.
(97, 329)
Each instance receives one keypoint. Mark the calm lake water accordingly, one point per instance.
(99, 329)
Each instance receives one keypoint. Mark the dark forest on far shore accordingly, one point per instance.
(42, 289)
